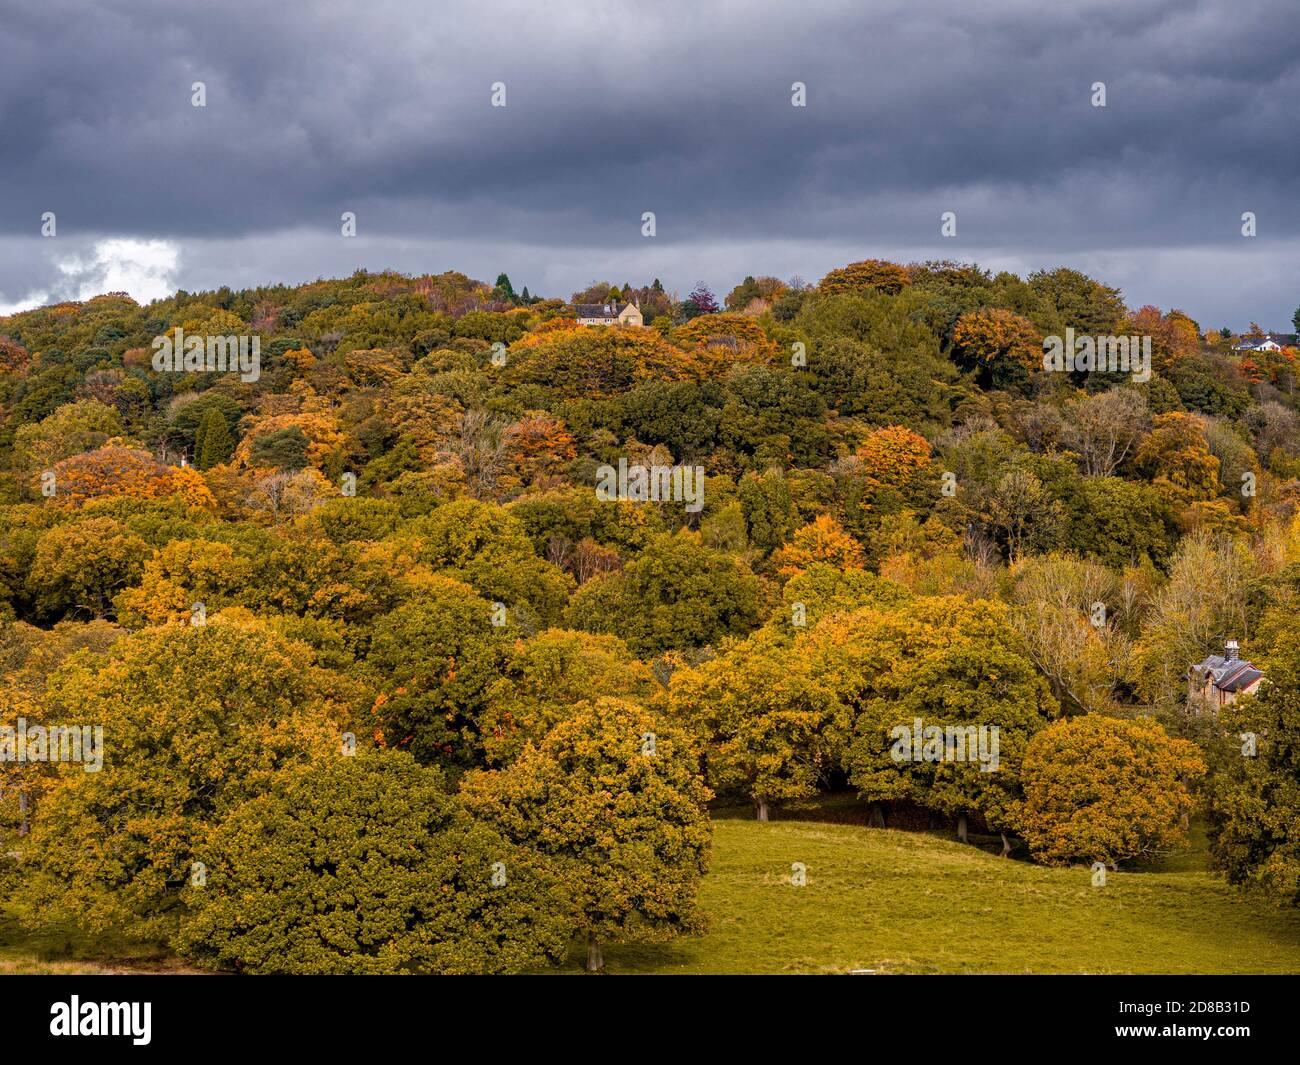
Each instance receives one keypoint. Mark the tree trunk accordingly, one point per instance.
(23, 826)
(1006, 846)
(761, 806)
(961, 828)
(877, 815)
(932, 821)
(595, 959)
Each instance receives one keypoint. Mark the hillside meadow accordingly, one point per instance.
(892, 902)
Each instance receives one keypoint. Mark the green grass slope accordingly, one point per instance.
(892, 901)
(905, 902)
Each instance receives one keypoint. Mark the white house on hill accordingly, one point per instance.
(1268, 342)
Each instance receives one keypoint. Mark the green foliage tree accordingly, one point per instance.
(434, 658)
(613, 798)
(762, 718)
(949, 663)
(677, 594)
(768, 509)
(213, 444)
(364, 864)
(196, 719)
(503, 290)
(1254, 793)
(284, 449)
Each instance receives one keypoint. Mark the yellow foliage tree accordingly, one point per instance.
(822, 540)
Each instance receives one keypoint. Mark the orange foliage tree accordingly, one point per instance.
(1177, 459)
(721, 340)
(894, 457)
(539, 447)
(114, 470)
(993, 338)
(822, 540)
(1173, 336)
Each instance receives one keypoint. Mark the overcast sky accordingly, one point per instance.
(914, 108)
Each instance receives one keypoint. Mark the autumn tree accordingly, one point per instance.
(700, 301)
(1069, 613)
(595, 362)
(181, 574)
(675, 594)
(1213, 593)
(870, 274)
(823, 589)
(613, 799)
(70, 430)
(821, 540)
(951, 665)
(1001, 345)
(1177, 459)
(198, 719)
(1254, 795)
(722, 340)
(891, 470)
(121, 471)
(1021, 512)
(80, 566)
(364, 864)
(546, 677)
(758, 292)
(1174, 336)
(1104, 789)
(538, 448)
(762, 718)
(1105, 429)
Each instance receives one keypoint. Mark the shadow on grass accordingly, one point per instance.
(846, 808)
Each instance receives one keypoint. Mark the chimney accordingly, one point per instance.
(1230, 650)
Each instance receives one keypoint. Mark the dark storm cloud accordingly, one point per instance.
(678, 108)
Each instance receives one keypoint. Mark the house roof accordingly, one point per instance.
(1239, 679)
(1229, 675)
(1280, 339)
(599, 310)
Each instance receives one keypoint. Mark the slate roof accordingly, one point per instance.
(1229, 675)
(596, 310)
(1280, 339)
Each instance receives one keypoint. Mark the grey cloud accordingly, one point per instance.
(680, 108)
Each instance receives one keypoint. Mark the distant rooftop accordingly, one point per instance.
(598, 310)
(1229, 674)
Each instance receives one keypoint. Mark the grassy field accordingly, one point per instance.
(907, 902)
(893, 902)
